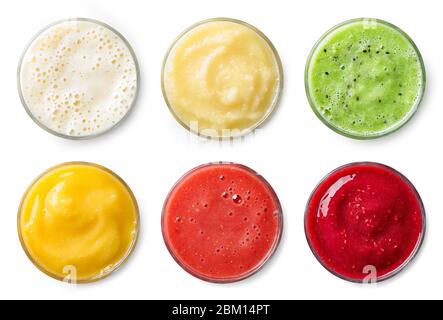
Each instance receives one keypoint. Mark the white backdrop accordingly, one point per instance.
(151, 151)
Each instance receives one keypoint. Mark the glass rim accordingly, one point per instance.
(277, 96)
(413, 253)
(253, 271)
(397, 126)
(89, 136)
(101, 275)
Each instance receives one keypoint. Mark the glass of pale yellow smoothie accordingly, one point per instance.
(78, 222)
(222, 78)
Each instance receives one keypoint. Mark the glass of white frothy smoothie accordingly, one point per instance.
(78, 78)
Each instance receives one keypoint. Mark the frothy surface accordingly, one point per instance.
(78, 78)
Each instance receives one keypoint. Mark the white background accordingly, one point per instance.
(151, 151)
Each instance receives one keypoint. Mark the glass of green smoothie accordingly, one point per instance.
(365, 78)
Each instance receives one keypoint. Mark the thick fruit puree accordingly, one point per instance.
(364, 215)
(78, 222)
(222, 78)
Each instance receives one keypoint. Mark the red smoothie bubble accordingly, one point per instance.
(365, 215)
(222, 222)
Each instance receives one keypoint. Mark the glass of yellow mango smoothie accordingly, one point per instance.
(78, 222)
(222, 78)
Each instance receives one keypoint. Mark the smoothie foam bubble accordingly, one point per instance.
(78, 78)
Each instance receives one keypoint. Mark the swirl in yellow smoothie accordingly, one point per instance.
(222, 78)
(79, 217)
